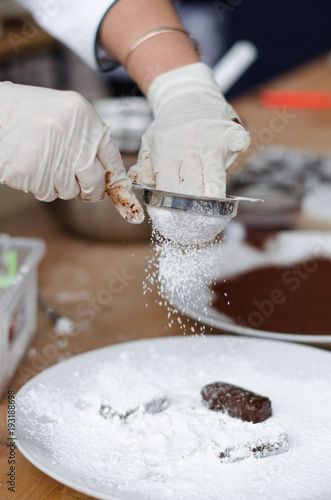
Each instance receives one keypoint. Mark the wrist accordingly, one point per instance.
(196, 77)
(160, 55)
(156, 55)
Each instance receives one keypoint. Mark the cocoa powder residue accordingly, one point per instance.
(285, 299)
(123, 201)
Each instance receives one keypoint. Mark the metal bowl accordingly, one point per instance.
(127, 118)
(100, 220)
(281, 207)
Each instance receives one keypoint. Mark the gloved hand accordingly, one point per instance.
(55, 145)
(195, 135)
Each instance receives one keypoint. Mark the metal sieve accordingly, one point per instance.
(189, 219)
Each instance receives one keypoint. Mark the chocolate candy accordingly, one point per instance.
(153, 406)
(260, 449)
(107, 412)
(156, 405)
(236, 402)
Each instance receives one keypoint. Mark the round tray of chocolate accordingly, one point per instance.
(278, 290)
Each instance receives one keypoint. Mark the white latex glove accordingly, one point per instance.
(54, 144)
(193, 138)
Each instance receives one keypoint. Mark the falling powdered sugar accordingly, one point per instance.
(178, 271)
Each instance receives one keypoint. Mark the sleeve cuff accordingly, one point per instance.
(105, 62)
(75, 23)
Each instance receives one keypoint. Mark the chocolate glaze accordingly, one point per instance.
(236, 402)
(285, 299)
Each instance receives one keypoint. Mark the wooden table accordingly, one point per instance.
(75, 271)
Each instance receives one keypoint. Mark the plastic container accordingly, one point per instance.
(19, 259)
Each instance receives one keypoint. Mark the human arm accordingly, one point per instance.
(193, 121)
(196, 134)
(127, 20)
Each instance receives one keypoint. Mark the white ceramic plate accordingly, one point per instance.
(240, 357)
(288, 248)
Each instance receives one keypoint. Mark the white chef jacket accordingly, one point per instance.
(76, 24)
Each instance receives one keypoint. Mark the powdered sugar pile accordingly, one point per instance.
(174, 454)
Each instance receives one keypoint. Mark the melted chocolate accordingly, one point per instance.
(285, 299)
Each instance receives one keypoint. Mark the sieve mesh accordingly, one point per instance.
(186, 228)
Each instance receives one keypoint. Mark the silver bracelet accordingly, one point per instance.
(158, 31)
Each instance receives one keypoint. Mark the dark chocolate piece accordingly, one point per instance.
(257, 450)
(236, 402)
